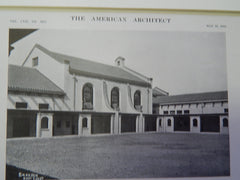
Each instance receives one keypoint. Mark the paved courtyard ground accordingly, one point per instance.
(123, 156)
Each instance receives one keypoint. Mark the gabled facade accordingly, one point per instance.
(95, 98)
(71, 74)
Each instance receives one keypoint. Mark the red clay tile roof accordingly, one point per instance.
(191, 98)
(24, 79)
(95, 69)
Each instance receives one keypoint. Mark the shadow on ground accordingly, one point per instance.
(15, 173)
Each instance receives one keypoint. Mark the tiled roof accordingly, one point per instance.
(159, 92)
(191, 98)
(24, 79)
(95, 69)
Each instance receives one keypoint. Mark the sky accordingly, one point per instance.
(179, 62)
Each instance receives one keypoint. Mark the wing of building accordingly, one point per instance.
(199, 112)
(56, 94)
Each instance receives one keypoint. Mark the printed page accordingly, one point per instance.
(118, 94)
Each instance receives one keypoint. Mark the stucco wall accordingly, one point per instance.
(99, 103)
(33, 101)
(196, 108)
(51, 68)
(224, 129)
(167, 127)
(195, 129)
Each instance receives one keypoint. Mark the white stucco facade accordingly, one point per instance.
(65, 114)
(72, 85)
(193, 113)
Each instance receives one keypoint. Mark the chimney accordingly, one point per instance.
(119, 61)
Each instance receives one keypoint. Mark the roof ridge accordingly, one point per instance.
(72, 59)
(192, 98)
(157, 88)
(199, 93)
(66, 55)
(138, 73)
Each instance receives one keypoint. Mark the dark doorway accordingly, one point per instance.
(100, 123)
(181, 123)
(150, 123)
(21, 127)
(128, 123)
(210, 123)
(21, 124)
(65, 124)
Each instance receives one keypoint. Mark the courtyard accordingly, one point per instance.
(148, 155)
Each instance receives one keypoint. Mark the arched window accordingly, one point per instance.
(169, 122)
(137, 99)
(44, 123)
(87, 96)
(225, 122)
(84, 122)
(115, 98)
(195, 123)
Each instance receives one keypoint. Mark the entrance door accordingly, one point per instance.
(150, 123)
(181, 123)
(100, 123)
(128, 123)
(210, 123)
(21, 127)
(65, 124)
(21, 123)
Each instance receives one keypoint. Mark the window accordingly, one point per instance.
(84, 122)
(165, 112)
(137, 99)
(34, 61)
(160, 122)
(21, 105)
(179, 112)
(43, 106)
(186, 112)
(169, 122)
(59, 124)
(44, 123)
(225, 122)
(195, 122)
(115, 98)
(67, 124)
(87, 96)
(172, 112)
(225, 110)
